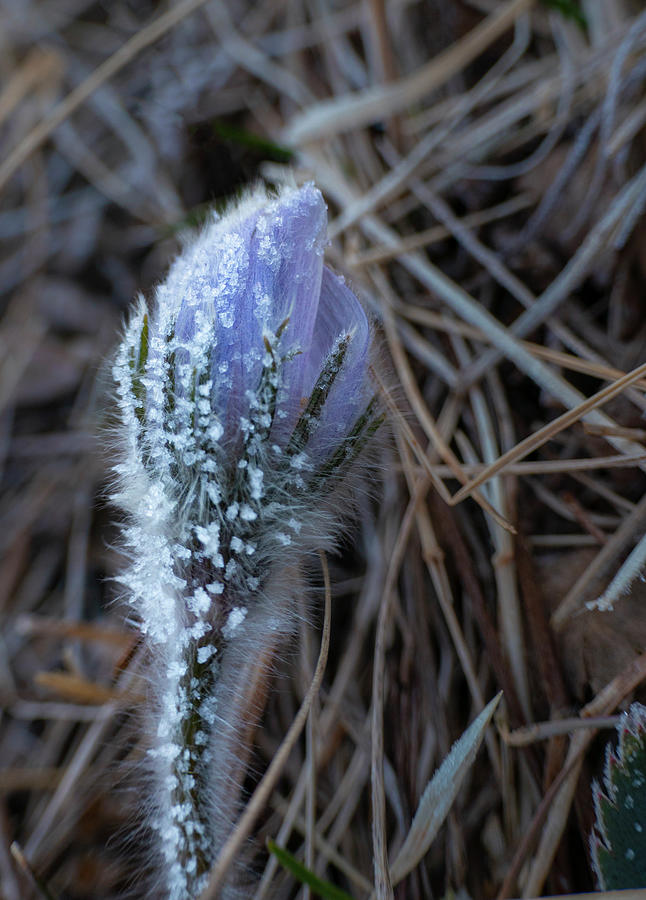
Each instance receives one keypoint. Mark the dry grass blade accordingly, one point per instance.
(383, 886)
(627, 203)
(105, 71)
(568, 361)
(435, 235)
(83, 631)
(549, 466)
(466, 307)
(429, 426)
(630, 570)
(343, 113)
(603, 560)
(531, 443)
(19, 856)
(39, 66)
(544, 731)
(80, 690)
(80, 761)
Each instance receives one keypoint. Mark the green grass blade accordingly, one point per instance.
(568, 8)
(305, 876)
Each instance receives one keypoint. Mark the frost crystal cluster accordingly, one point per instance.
(245, 400)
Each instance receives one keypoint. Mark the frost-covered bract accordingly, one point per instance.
(245, 401)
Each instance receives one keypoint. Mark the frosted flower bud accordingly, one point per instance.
(245, 399)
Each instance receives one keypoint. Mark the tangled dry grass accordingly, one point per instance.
(485, 168)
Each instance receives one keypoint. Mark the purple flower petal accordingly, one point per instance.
(245, 327)
(238, 282)
(339, 313)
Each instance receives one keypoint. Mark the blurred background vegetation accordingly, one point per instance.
(484, 163)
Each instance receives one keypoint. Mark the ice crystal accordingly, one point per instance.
(245, 399)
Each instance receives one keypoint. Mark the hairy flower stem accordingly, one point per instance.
(212, 733)
(196, 683)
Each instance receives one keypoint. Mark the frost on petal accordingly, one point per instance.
(241, 279)
(295, 228)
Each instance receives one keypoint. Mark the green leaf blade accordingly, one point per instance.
(439, 794)
(306, 876)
